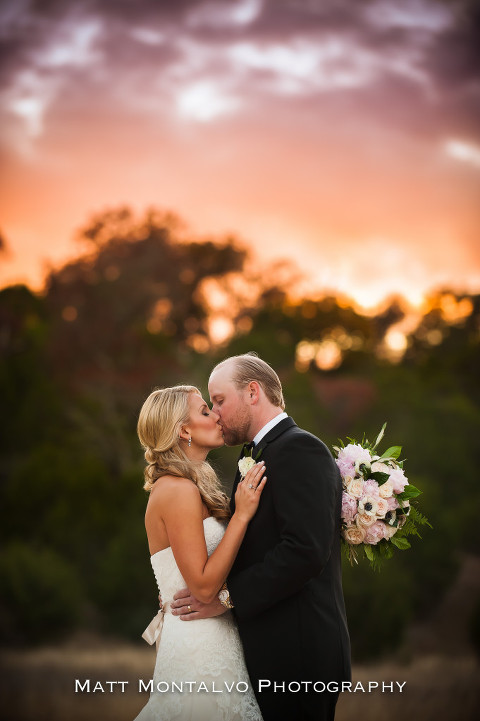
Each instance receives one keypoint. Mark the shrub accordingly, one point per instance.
(41, 594)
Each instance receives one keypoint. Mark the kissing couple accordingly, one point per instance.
(253, 623)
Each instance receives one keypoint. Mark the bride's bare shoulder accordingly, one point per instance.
(168, 488)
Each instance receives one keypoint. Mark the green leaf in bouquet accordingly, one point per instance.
(408, 529)
(417, 517)
(400, 542)
(365, 471)
(379, 437)
(392, 452)
(386, 549)
(374, 555)
(379, 477)
(369, 552)
(408, 492)
(349, 552)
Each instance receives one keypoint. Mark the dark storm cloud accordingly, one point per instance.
(413, 64)
(454, 55)
(452, 64)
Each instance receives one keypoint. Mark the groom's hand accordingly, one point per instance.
(188, 608)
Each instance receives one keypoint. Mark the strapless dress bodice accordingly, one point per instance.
(167, 574)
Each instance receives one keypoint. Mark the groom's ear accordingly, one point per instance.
(253, 390)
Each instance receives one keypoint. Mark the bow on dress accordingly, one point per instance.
(153, 632)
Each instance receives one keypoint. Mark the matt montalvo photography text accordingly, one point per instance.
(95, 686)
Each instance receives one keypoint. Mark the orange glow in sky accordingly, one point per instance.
(336, 135)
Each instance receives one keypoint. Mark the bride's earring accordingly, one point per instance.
(190, 441)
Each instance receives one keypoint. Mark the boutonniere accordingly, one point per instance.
(248, 461)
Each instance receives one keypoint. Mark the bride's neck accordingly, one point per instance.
(196, 455)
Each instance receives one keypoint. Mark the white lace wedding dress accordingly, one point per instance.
(200, 672)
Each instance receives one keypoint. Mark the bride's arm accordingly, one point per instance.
(182, 513)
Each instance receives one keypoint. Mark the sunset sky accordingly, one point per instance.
(344, 135)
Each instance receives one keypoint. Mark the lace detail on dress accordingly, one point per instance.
(202, 658)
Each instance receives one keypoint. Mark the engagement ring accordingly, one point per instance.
(189, 609)
(250, 486)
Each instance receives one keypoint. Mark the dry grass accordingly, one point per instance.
(38, 685)
(437, 689)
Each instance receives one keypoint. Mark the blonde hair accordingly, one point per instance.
(249, 367)
(159, 425)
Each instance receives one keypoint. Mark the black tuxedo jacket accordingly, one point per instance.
(286, 582)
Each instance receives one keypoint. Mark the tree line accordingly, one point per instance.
(136, 310)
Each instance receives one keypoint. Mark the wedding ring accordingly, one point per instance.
(189, 609)
(251, 486)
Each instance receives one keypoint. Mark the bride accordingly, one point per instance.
(200, 672)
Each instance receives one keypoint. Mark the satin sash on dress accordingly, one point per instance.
(153, 632)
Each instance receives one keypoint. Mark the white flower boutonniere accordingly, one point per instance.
(244, 465)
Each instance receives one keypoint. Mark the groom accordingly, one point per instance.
(285, 585)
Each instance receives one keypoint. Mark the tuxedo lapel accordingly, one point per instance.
(272, 435)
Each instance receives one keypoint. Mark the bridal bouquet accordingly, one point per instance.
(376, 511)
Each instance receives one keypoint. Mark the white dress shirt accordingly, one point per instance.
(268, 427)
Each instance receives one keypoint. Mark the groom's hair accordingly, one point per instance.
(249, 367)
